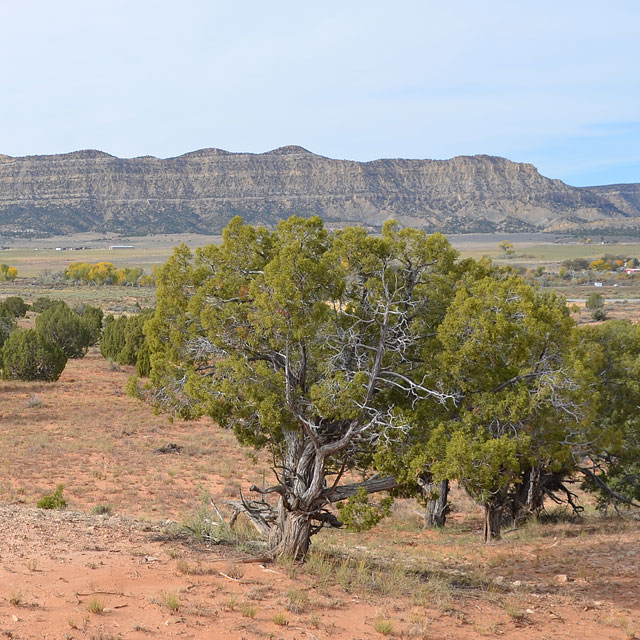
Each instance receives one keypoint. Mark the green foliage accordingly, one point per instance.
(7, 324)
(143, 361)
(123, 341)
(608, 359)
(15, 305)
(42, 304)
(92, 317)
(61, 326)
(599, 315)
(113, 337)
(595, 301)
(53, 500)
(359, 514)
(300, 339)
(27, 355)
(134, 339)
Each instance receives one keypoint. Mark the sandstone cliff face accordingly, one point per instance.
(203, 190)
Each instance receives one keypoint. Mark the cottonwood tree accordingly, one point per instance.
(505, 346)
(305, 343)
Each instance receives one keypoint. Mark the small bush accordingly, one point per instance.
(170, 601)
(42, 304)
(280, 619)
(102, 509)
(384, 627)
(27, 355)
(16, 306)
(95, 605)
(34, 401)
(599, 315)
(53, 500)
(248, 611)
(63, 327)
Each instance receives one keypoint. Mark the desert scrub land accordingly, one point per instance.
(119, 562)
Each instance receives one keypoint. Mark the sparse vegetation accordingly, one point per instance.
(383, 626)
(95, 605)
(53, 500)
(170, 600)
(102, 509)
(280, 619)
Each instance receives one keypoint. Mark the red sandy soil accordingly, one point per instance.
(560, 580)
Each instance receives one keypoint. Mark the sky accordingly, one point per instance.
(555, 84)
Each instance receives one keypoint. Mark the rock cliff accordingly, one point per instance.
(201, 191)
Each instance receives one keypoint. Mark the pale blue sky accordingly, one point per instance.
(555, 83)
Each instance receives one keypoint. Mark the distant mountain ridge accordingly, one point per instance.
(201, 191)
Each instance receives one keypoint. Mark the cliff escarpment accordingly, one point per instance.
(201, 191)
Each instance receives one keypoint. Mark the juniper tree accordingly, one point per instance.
(26, 355)
(609, 360)
(305, 343)
(60, 325)
(505, 347)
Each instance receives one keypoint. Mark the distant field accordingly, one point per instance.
(31, 257)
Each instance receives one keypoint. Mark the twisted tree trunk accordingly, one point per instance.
(436, 510)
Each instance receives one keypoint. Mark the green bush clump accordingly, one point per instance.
(53, 500)
(42, 304)
(92, 317)
(27, 355)
(123, 341)
(65, 328)
(7, 324)
(113, 337)
(358, 514)
(16, 306)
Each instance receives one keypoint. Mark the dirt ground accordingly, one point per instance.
(134, 573)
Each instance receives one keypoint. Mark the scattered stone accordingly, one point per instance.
(517, 583)
(498, 580)
(561, 578)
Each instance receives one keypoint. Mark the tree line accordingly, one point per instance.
(105, 273)
(61, 333)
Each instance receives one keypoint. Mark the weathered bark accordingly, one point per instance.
(437, 503)
(292, 534)
(492, 517)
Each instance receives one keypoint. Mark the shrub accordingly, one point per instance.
(92, 317)
(599, 315)
(134, 337)
(7, 324)
(43, 303)
(16, 306)
(113, 337)
(7, 272)
(143, 363)
(64, 328)
(595, 301)
(27, 355)
(53, 500)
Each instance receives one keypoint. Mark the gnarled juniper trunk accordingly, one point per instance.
(291, 536)
(436, 497)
